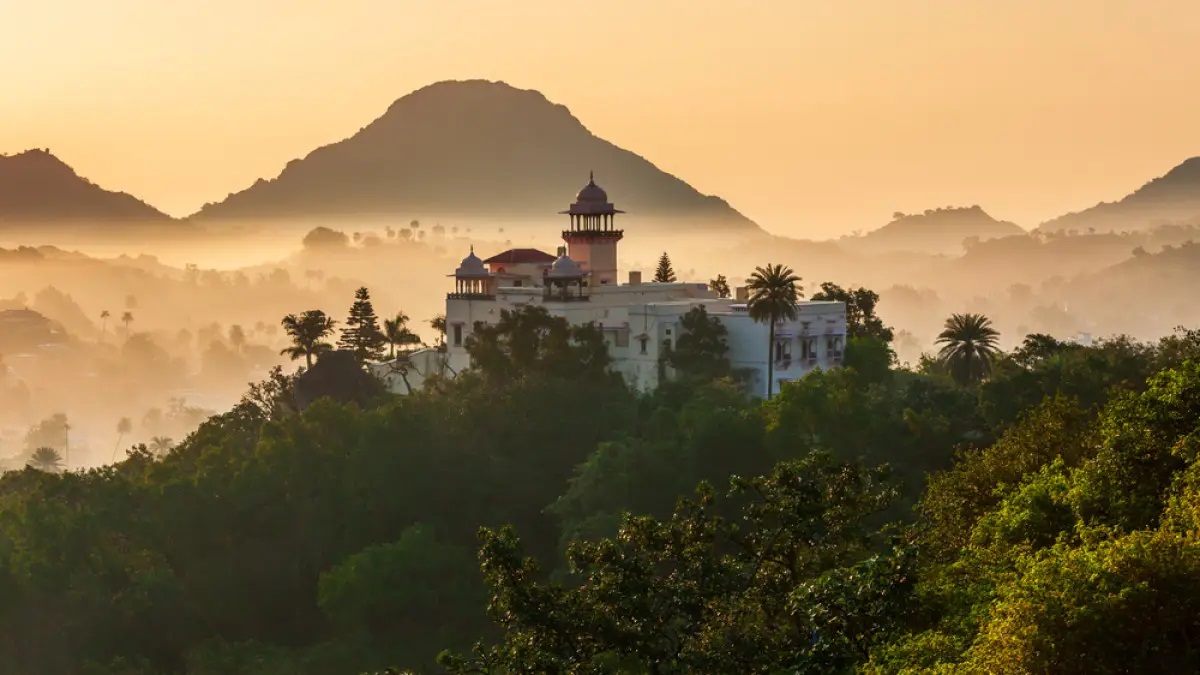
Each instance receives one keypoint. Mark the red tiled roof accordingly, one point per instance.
(516, 256)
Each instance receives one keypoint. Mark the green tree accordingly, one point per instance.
(397, 333)
(861, 320)
(720, 286)
(697, 592)
(774, 297)
(307, 332)
(664, 274)
(702, 350)
(361, 334)
(968, 347)
(408, 596)
(529, 342)
(46, 459)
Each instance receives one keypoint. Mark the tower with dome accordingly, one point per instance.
(640, 321)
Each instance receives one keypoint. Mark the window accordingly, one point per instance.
(834, 347)
(517, 283)
(622, 337)
(458, 335)
(808, 349)
(644, 341)
(783, 350)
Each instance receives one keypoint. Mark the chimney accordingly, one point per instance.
(743, 294)
(635, 278)
(562, 251)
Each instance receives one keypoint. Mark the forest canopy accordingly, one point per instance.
(536, 515)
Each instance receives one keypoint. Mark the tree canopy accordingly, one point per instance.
(534, 514)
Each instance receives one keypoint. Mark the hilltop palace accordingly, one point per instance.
(639, 320)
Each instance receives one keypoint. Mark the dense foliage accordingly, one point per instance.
(1044, 515)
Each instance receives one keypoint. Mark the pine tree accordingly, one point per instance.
(361, 334)
(664, 274)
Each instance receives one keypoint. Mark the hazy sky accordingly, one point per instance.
(813, 117)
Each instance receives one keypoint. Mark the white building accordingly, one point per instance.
(639, 320)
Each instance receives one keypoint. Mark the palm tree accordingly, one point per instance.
(104, 314)
(968, 347)
(396, 332)
(124, 426)
(774, 296)
(438, 323)
(127, 318)
(161, 445)
(307, 332)
(45, 459)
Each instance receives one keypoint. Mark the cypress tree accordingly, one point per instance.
(361, 334)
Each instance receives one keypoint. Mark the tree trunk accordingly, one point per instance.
(308, 358)
(770, 357)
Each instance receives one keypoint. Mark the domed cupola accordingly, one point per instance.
(591, 193)
(471, 266)
(565, 268)
(472, 279)
(566, 280)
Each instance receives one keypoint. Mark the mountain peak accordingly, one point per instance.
(1171, 198)
(471, 148)
(37, 186)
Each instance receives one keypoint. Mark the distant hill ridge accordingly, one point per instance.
(35, 186)
(934, 231)
(1169, 199)
(471, 147)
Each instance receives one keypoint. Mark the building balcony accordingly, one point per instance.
(470, 296)
(599, 234)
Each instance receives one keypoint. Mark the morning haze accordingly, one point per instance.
(316, 318)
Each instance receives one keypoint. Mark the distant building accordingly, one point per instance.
(639, 320)
(409, 371)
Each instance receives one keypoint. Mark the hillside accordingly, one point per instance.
(36, 186)
(934, 231)
(1172, 198)
(472, 148)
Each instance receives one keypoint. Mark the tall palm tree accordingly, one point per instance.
(46, 459)
(308, 332)
(124, 426)
(104, 314)
(396, 332)
(127, 318)
(774, 297)
(968, 347)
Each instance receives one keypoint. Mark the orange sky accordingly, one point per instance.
(812, 117)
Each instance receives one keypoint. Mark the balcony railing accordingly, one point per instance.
(470, 296)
